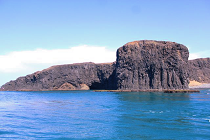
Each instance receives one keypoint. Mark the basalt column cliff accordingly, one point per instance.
(152, 65)
(142, 64)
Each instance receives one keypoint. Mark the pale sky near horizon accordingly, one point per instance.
(36, 34)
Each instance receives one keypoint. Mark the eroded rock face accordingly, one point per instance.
(199, 70)
(83, 76)
(140, 65)
(66, 86)
(152, 65)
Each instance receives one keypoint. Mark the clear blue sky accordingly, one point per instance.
(60, 24)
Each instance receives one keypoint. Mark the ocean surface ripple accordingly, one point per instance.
(104, 115)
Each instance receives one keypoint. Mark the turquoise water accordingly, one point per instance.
(104, 115)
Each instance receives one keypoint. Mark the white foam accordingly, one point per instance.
(208, 120)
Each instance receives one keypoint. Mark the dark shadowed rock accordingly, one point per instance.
(140, 65)
(152, 65)
(199, 70)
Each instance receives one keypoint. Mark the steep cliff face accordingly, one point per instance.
(152, 65)
(81, 76)
(199, 70)
(143, 64)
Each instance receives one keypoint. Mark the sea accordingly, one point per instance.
(90, 115)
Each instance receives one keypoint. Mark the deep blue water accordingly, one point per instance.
(104, 115)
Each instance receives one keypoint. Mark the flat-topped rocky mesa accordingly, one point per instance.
(152, 65)
(144, 64)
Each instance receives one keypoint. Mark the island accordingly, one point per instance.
(140, 65)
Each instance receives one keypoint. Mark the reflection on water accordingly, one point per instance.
(179, 115)
(151, 114)
(104, 115)
(152, 96)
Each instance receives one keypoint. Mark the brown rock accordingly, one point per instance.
(67, 86)
(84, 87)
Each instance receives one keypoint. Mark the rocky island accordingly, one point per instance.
(140, 65)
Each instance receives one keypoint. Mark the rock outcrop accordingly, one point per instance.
(142, 64)
(199, 70)
(81, 76)
(152, 65)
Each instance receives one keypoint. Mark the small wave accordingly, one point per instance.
(208, 120)
(151, 111)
